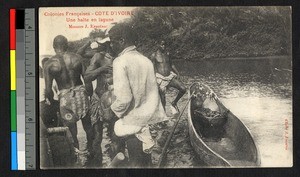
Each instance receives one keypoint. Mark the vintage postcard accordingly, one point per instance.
(165, 87)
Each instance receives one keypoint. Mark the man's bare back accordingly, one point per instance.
(66, 70)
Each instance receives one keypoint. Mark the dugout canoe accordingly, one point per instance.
(236, 148)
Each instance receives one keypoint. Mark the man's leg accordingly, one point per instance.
(162, 95)
(117, 144)
(87, 126)
(73, 129)
(175, 83)
(97, 150)
(137, 157)
(49, 113)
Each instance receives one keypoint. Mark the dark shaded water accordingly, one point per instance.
(241, 78)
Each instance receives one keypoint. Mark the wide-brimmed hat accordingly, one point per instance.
(105, 39)
(96, 44)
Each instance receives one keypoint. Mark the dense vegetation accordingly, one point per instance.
(213, 32)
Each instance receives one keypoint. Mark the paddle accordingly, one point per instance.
(164, 151)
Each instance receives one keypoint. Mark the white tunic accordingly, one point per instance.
(137, 98)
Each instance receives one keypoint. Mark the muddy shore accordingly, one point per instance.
(180, 153)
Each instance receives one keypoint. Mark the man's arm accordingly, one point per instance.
(82, 51)
(50, 66)
(174, 68)
(94, 69)
(152, 58)
(122, 90)
(88, 85)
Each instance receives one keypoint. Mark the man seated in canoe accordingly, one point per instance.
(167, 75)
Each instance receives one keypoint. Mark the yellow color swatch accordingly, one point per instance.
(13, 76)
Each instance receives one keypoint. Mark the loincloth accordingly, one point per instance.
(164, 81)
(74, 103)
(98, 112)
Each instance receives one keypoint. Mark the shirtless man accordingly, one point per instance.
(66, 68)
(100, 69)
(167, 75)
(48, 113)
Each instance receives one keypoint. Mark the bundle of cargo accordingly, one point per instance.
(211, 122)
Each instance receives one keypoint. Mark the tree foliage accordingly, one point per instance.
(212, 32)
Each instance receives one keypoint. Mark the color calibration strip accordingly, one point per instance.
(22, 67)
(13, 96)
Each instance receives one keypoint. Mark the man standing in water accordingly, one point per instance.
(167, 75)
(100, 69)
(137, 101)
(66, 68)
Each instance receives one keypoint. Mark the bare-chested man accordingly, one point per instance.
(66, 68)
(166, 75)
(100, 69)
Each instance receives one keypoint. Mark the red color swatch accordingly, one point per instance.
(12, 29)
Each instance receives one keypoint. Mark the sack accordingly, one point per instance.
(73, 103)
(211, 122)
(107, 99)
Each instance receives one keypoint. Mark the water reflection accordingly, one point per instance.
(241, 78)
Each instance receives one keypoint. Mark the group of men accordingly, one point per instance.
(129, 93)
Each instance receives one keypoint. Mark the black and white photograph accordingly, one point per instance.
(165, 87)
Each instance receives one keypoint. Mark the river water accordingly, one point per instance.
(259, 92)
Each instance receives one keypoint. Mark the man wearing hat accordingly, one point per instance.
(100, 69)
(91, 47)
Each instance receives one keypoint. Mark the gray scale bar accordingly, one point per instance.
(20, 51)
(30, 100)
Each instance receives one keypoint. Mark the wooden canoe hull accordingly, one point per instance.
(242, 151)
